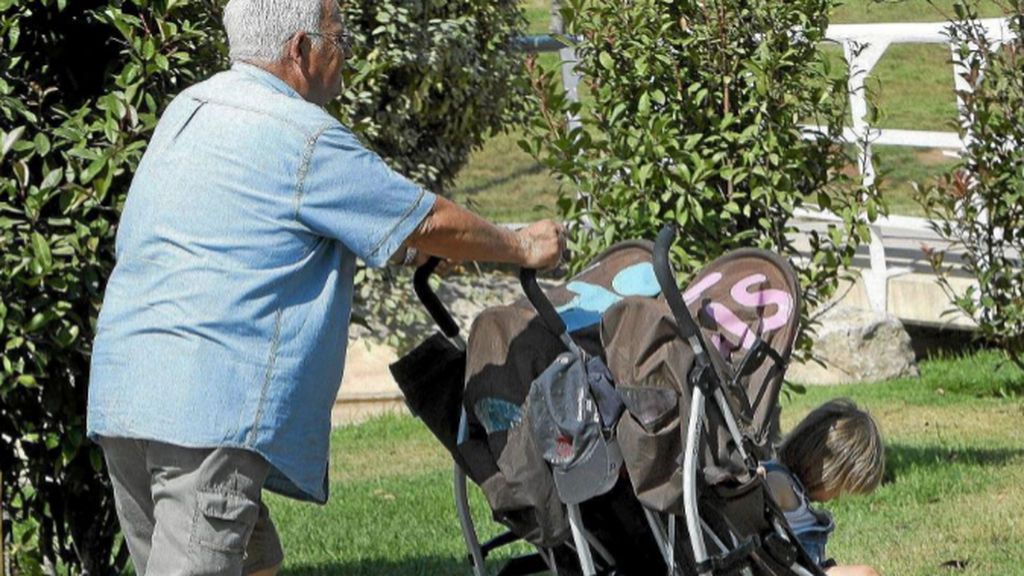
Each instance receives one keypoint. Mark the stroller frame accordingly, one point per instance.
(709, 378)
(477, 551)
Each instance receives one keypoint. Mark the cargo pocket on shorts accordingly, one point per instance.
(651, 445)
(224, 522)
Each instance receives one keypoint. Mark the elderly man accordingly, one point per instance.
(220, 346)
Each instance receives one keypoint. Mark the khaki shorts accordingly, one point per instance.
(191, 511)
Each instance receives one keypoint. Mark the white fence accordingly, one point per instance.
(863, 46)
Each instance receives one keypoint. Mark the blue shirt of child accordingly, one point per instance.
(225, 321)
(811, 527)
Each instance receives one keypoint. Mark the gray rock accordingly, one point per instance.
(465, 296)
(468, 296)
(857, 345)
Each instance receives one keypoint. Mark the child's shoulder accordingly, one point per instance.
(783, 488)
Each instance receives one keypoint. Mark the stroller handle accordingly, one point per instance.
(667, 280)
(440, 314)
(540, 302)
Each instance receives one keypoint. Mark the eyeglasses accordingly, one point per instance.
(341, 40)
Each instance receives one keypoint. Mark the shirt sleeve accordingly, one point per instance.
(350, 195)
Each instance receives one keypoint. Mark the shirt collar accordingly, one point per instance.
(266, 78)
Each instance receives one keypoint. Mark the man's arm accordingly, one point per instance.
(452, 232)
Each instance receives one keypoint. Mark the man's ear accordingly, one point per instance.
(297, 48)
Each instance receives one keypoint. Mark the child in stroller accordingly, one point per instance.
(835, 450)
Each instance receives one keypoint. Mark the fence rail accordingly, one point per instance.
(863, 46)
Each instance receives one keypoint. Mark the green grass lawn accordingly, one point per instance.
(954, 457)
(506, 184)
(912, 86)
(863, 11)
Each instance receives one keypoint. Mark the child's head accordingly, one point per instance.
(837, 449)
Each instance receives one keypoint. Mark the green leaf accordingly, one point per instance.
(42, 144)
(52, 178)
(644, 173)
(21, 173)
(606, 60)
(93, 169)
(42, 251)
(644, 106)
(8, 139)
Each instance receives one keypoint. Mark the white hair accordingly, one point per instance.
(258, 29)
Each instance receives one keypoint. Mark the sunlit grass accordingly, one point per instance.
(867, 11)
(955, 461)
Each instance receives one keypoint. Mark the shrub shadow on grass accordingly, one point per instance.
(901, 458)
(426, 566)
(501, 180)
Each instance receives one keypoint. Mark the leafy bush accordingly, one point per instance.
(979, 207)
(82, 85)
(434, 79)
(692, 113)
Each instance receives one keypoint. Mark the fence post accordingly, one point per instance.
(570, 79)
(861, 59)
(556, 26)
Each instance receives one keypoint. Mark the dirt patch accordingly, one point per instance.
(953, 424)
(997, 422)
(933, 157)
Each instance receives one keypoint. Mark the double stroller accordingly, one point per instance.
(616, 423)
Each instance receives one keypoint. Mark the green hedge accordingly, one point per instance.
(979, 206)
(82, 84)
(435, 78)
(692, 113)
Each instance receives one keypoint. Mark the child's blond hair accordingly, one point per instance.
(837, 448)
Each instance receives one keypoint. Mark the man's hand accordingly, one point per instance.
(543, 244)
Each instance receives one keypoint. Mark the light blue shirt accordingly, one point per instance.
(811, 527)
(226, 318)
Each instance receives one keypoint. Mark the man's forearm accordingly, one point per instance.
(452, 232)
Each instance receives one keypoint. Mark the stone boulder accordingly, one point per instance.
(857, 345)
